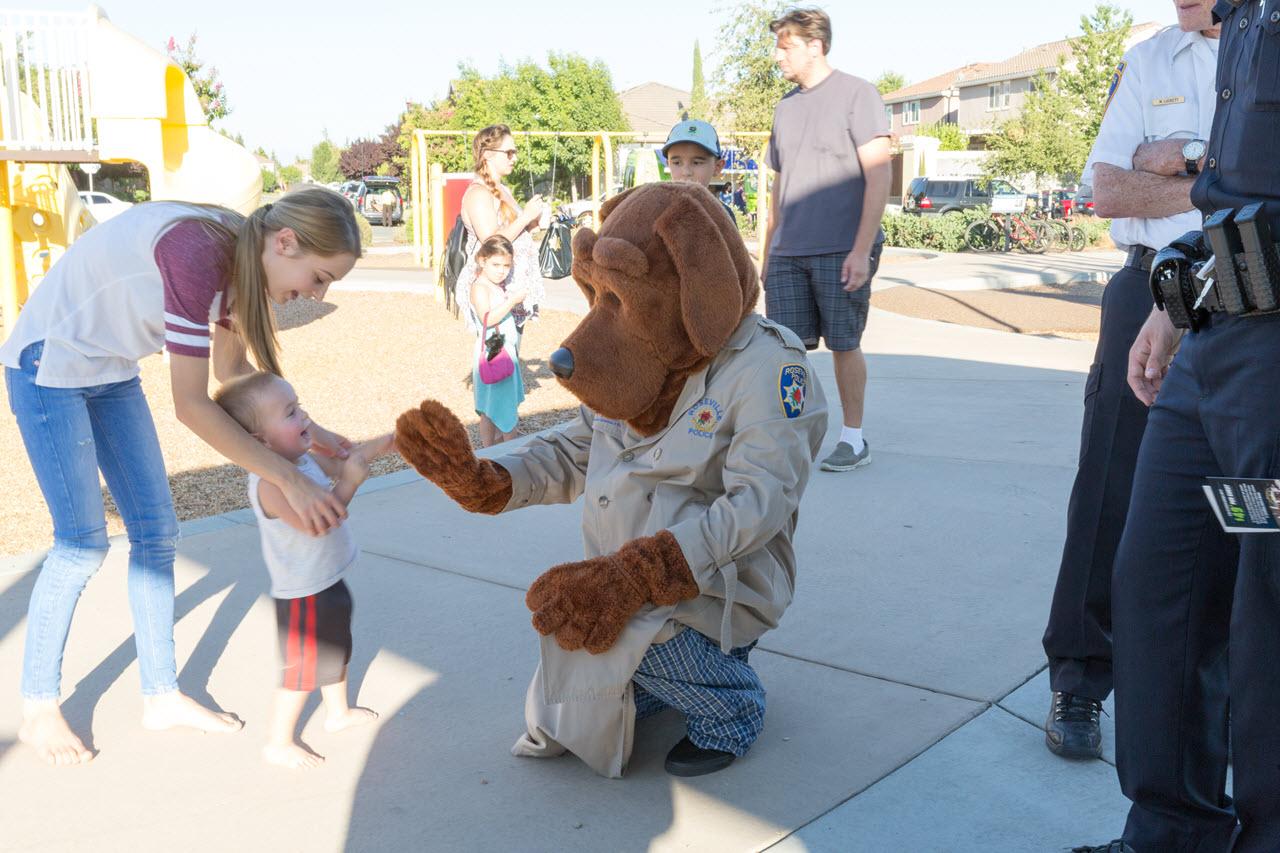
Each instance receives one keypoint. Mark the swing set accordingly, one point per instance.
(427, 182)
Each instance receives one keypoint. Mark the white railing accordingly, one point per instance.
(44, 81)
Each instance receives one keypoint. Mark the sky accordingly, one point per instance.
(294, 71)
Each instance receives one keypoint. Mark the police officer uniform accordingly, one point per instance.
(1177, 614)
(1163, 89)
(725, 477)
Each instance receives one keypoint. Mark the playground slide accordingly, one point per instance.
(147, 111)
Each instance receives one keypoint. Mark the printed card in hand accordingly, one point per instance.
(1245, 506)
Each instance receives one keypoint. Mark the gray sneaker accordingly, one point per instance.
(844, 459)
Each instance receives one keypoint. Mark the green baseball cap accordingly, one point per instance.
(696, 131)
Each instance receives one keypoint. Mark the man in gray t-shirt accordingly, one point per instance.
(830, 154)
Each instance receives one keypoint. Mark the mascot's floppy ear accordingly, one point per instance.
(710, 292)
(584, 241)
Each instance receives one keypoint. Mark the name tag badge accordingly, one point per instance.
(1164, 102)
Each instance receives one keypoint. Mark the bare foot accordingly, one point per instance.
(172, 710)
(46, 731)
(348, 718)
(293, 756)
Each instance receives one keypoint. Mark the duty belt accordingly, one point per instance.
(1139, 258)
(1233, 266)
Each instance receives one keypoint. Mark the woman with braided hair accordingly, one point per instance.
(198, 282)
(489, 209)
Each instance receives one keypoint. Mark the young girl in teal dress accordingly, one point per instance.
(496, 404)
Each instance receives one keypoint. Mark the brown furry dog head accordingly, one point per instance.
(667, 279)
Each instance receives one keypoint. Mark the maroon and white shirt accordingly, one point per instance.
(130, 286)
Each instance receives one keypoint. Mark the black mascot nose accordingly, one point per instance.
(562, 363)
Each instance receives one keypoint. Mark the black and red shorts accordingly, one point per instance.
(315, 638)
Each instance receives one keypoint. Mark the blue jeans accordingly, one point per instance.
(71, 433)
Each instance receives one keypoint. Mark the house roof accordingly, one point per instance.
(1042, 57)
(652, 108)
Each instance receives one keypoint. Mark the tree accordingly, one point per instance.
(569, 93)
(289, 175)
(1096, 54)
(698, 91)
(1051, 137)
(269, 181)
(213, 99)
(952, 137)
(364, 157)
(890, 81)
(1046, 140)
(324, 162)
(748, 81)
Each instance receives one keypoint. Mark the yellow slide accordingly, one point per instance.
(145, 110)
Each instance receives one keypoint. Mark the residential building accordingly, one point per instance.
(652, 108)
(981, 95)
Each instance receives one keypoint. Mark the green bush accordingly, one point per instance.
(1094, 229)
(945, 232)
(941, 233)
(366, 231)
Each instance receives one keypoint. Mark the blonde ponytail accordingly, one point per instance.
(484, 141)
(324, 223)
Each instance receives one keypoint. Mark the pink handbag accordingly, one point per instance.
(498, 366)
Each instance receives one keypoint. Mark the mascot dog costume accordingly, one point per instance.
(699, 422)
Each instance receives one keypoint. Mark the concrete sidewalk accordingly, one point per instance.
(905, 683)
(1000, 270)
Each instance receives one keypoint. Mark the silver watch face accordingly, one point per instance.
(1193, 150)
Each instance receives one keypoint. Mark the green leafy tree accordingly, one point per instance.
(698, 107)
(1050, 139)
(748, 82)
(1096, 53)
(569, 93)
(1045, 140)
(289, 175)
(269, 181)
(324, 162)
(890, 81)
(951, 136)
(209, 89)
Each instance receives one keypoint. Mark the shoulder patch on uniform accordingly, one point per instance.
(1115, 84)
(792, 382)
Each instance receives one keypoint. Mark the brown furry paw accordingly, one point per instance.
(436, 444)
(587, 604)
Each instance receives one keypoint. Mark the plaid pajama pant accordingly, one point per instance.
(804, 294)
(720, 695)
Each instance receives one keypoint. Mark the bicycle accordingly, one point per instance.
(1000, 232)
(1061, 233)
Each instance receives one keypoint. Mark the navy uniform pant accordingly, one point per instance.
(1077, 640)
(1186, 597)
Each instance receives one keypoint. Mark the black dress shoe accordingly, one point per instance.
(687, 759)
(1073, 729)
(1117, 846)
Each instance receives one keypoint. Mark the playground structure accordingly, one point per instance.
(74, 88)
(427, 183)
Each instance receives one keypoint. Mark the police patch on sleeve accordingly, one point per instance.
(792, 380)
(1115, 84)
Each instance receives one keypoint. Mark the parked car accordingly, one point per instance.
(366, 196)
(349, 189)
(102, 205)
(952, 195)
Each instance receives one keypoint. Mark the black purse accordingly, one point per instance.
(454, 260)
(555, 255)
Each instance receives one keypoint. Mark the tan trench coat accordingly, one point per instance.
(725, 477)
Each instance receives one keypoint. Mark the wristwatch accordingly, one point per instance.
(1191, 154)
